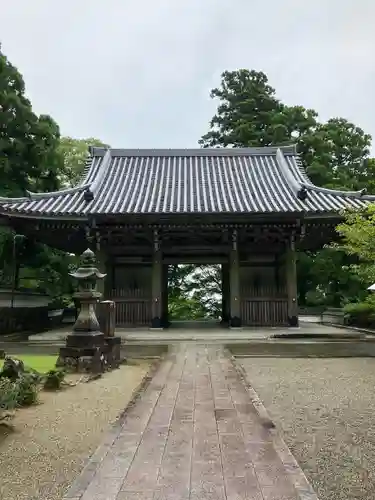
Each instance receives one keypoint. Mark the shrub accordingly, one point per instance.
(34, 375)
(53, 380)
(8, 398)
(361, 313)
(27, 390)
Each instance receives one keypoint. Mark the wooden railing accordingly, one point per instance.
(133, 308)
(261, 311)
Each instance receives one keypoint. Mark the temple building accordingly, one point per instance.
(142, 210)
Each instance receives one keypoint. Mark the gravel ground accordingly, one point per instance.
(53, 440)
(326, 409)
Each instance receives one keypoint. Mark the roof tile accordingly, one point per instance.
(258, 180)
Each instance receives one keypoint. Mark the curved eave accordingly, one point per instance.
(54, 194)
(306, 190)
(43, 216)
(93, 175)
(67, 203)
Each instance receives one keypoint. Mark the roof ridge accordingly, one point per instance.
(100, 175)
(87, 168)
(301, 168)
(170, 152)
(285, 169)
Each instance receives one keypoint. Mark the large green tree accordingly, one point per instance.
(250, 114)
(335, 153)
(29, 160)
(28, 143)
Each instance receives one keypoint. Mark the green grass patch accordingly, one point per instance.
(41, 364)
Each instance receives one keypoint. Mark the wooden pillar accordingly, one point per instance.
(225, 297)
(109, 284)
(234, 284)
(291, 282)
(164, 316)
(157, 284)
(102, 265)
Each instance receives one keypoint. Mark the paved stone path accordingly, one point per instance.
(193, 434)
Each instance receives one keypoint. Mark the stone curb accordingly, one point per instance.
(348, 327)
(88, 472)
(297, 477)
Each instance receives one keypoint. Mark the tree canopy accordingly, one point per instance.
(34, 157)
(28, 143)
(335, 154)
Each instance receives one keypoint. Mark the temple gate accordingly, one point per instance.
(249, 210)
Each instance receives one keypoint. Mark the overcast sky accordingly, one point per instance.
(137, 73)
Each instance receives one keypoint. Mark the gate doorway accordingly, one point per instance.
(194, 295)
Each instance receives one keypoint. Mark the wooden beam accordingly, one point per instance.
(195, 259)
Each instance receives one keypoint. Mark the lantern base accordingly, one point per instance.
(90, 353)
(85, 339)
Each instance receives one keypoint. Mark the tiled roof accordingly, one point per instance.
(255, 180)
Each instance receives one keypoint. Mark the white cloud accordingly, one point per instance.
(138, 74)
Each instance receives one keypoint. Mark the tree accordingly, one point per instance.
(194, 292)
(28, 143)
(334, 279)
(249, 114)
(357, 239)
(29, 160)
(335, 154)
(75, 153)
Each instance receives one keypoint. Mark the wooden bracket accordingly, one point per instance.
(234, 239)
(156, 240)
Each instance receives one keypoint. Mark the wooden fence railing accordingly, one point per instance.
(264, 311)
(133, 307)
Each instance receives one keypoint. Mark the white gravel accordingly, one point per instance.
(326, 409)
(53, 440)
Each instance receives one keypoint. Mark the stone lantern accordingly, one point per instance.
(87, 349)
(87, 276)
